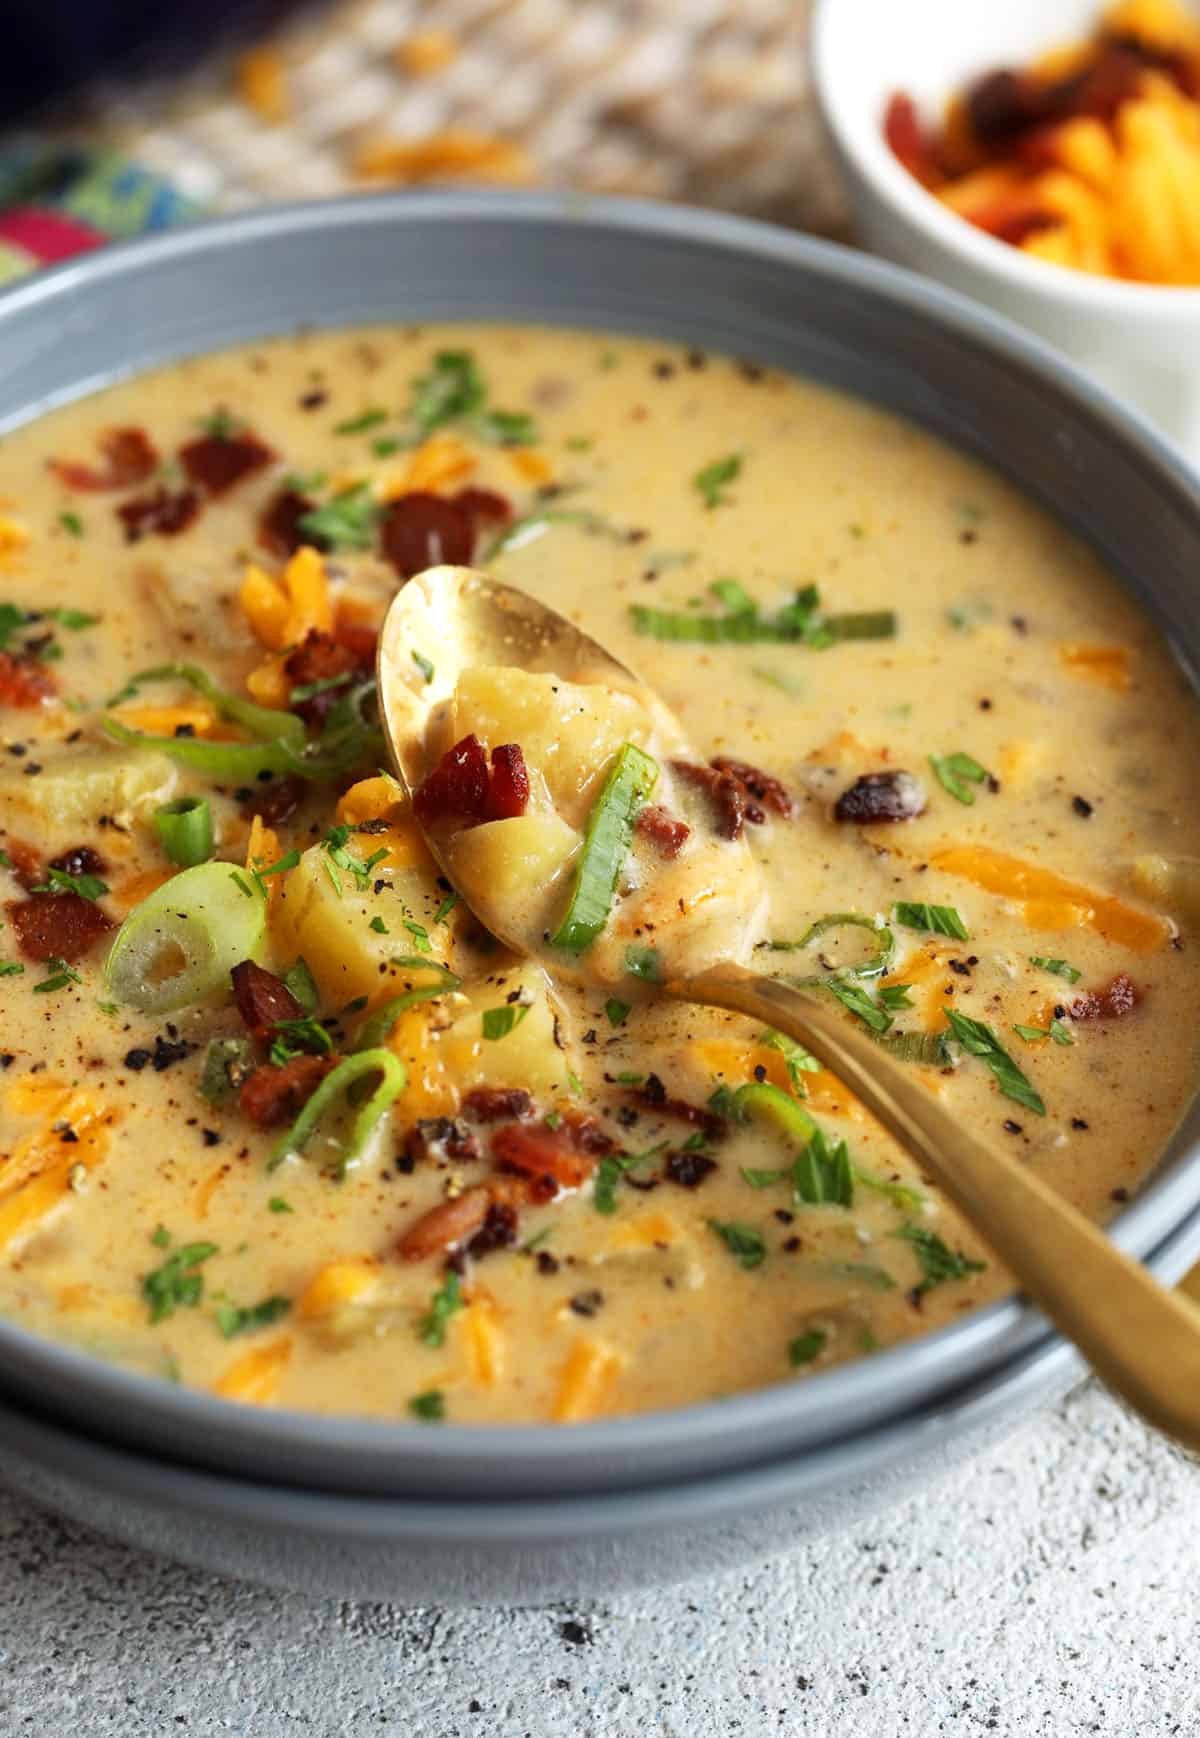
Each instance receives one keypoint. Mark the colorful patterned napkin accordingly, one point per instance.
(58, 200)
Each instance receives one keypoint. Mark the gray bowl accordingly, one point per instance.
(691, 278)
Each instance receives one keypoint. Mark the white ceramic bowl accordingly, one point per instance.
(1141, 341)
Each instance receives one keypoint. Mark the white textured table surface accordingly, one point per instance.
(1050, 1588)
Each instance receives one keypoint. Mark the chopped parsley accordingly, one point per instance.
(60, 975)
(72, 523)
(452, 389)
(333, 843)
(430, 1407)
(743, 1242)
(298, 1037)
(1059, 968)
(303, 985)
(445, 1302)
(419, 934)
(1055, 1030)
(346, 521)
(935, 919)
(711, 482)
(277, 1204)
(805, 1347)
(367, 419)
(939, 1262)
(446, 907)
(612, 1168)
(859, 1003)
(499, 1022)
(178, 1283)
(221, 424)
(644, 963)
(901, 1195)
(379, 926)
(11, 969)
(279, 867)
(957, 773)
(423, 665)
(978, 1039)
(506, 428)
(617, 1011)
(233, 1319)
(88, 887)
(821, 1174)
(796, 1058)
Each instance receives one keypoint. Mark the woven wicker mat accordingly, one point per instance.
(700, 100)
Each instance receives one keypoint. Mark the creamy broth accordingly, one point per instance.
(141, 1220)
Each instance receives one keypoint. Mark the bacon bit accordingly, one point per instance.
(130, 458)
(216, 462)
(498, 1104)
(161, 512)
(906, 138)
(726, 794)
(319, 658)
(1003, 104)
(1118, 998)
(498, 1231)
(688, 1169)
(262, 998)
(763, 785)
(665, 834)
(484, 506)
(881, 796)
(26, 864)
(276, 801)
(421, 530)
(541, 1153)
(358, 634)
(509, 792)
(654, 1094)
(56, 925)
(457, 788)
(447, 1224)
(24, 681)
(79, 860)
(270, 1096)
(439, 1138)
(279, 524)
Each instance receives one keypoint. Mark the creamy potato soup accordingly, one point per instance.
(279, 1119)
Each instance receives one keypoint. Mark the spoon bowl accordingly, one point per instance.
(1142, 1339)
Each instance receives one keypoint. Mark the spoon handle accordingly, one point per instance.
(1141, 1338)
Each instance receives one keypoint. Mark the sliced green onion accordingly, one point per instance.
(877, 965)
(863, 625)
(377, 1028)
(185, 830)
(235, 763)
(227, 1062)
(393, 1078)
(265, 723)
(902, 1195)
(956, 773)
(606, 844)
(929, 1048)
(758, 1098)
(644, 963)
(181, 943)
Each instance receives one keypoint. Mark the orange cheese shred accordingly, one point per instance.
(1050, 900)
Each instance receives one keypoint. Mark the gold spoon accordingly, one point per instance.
(1141, 1338)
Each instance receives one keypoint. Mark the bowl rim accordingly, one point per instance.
(981, 1341)
(860, 141)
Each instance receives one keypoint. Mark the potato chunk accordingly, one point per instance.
(534, 1053)
(513, 867)
(323, 915)
(74, 789)
(568, 733)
